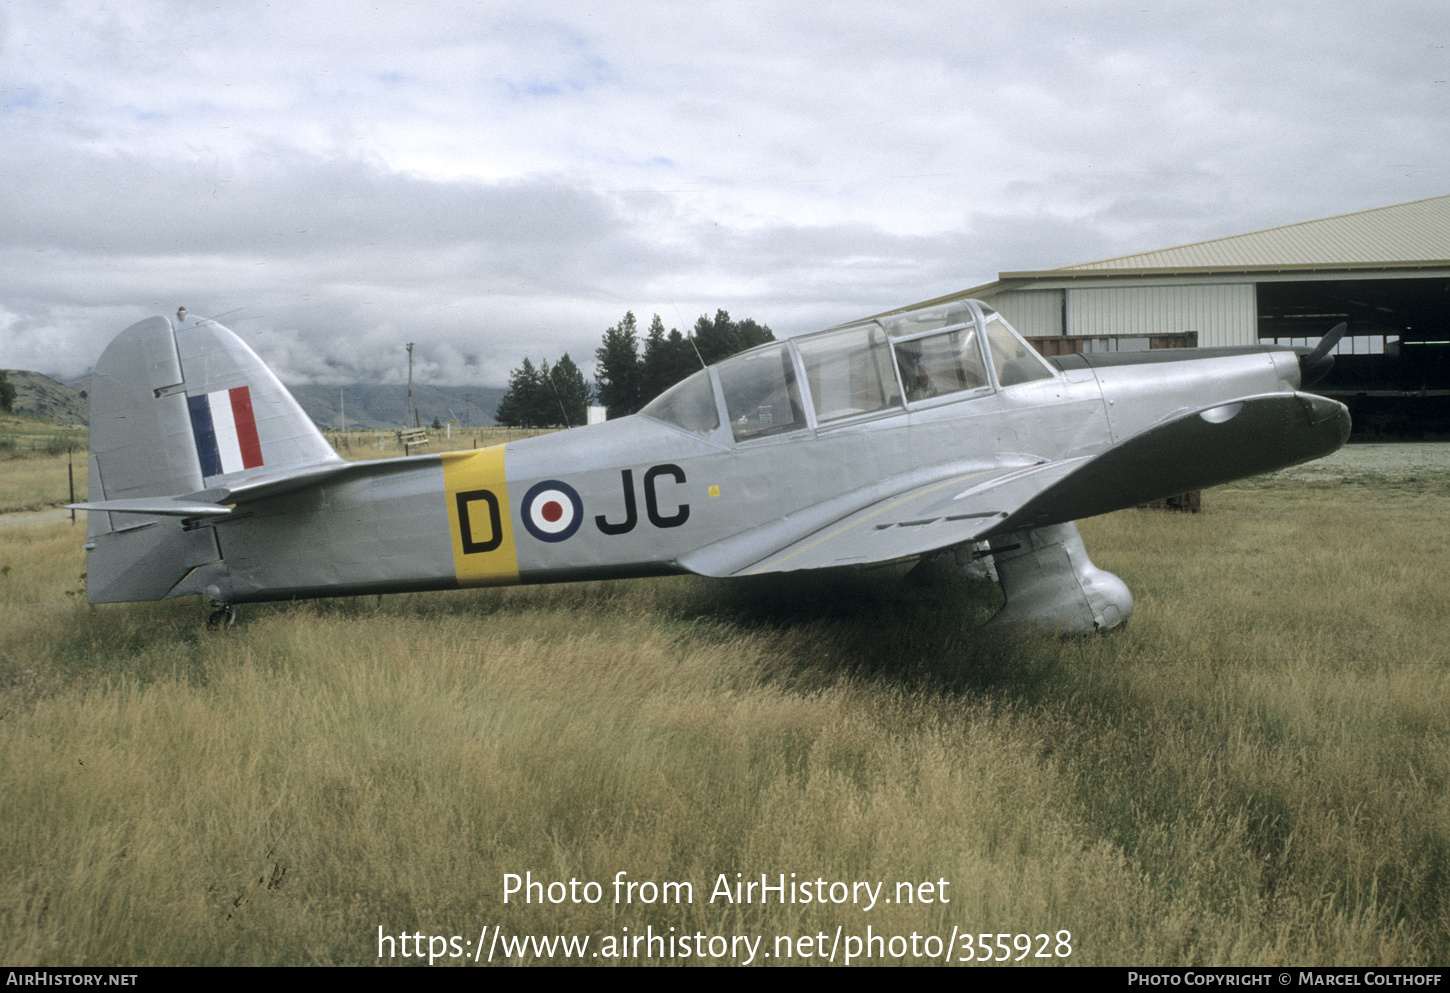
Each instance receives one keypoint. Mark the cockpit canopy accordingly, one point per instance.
(917, 358)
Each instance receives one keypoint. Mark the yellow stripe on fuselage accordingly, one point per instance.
(478, 516)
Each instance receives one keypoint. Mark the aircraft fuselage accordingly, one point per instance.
(637, 496)
(887, 439)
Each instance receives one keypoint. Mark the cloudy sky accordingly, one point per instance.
(495, 180)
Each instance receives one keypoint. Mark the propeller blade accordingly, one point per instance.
(1315, 365)
(1326, 343)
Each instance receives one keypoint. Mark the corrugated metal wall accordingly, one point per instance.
(1034, 313)
(1221, 313)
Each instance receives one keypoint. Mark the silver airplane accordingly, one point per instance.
(900, 437)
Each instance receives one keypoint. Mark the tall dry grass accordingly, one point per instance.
(1255, 771)
(35, 463)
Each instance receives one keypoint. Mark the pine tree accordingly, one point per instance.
(518, 407)
(750, 334)
(684, 358)
(570, 392)
(715, 339)
(7, 393)
(723, 337)
(619, 373)
(653, 375)
(667, 359)
(544, 411)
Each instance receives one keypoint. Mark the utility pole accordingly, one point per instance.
(412, 415)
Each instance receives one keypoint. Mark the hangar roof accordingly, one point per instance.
(1413, 235)
(1404, 235)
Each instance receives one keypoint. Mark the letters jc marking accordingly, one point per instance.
(651, 501)
(631, 516)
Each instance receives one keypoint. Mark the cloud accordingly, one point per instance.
(501, 180)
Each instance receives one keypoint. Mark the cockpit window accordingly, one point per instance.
(927, 319)
(849, 372)
(941, 364)
(1016, 361)
(689, 404)
(761, 395)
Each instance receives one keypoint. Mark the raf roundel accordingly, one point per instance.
(552, 510)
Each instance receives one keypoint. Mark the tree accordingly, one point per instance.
(571, 394)
(618, 374)
(751, 334)
(715, 339)
(653, 377)
(544, 410)
(7, 393)
(667, 360)
(627, 380)
(723, 337)
(545, 396)
(518, 406)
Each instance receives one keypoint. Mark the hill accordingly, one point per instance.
(368, 405)
(37, 395)
(371, 406)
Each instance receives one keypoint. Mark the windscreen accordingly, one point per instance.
(689, 404)
(761, 396)
(1016, 361)
(941, 364)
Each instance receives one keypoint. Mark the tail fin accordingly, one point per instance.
(242, 417)
(173, 412)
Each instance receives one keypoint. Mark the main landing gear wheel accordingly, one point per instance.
(224, 616)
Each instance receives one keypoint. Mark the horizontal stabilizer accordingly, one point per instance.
(165, 506)
(265, 485)
(250, 489)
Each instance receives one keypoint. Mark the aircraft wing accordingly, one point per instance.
(1191, 450)
(952, 504)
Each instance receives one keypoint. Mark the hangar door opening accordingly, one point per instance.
(1393, 366)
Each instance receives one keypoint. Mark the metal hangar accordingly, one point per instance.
(1385, 271)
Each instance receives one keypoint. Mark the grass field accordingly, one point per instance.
(35, 460)
(1254, 771)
